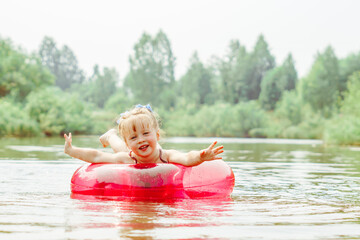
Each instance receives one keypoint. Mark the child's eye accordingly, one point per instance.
(146, 133)
(133, 137)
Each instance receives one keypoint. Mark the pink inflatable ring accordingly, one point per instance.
(213, 179)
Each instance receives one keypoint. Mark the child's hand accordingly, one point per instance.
(68, 141)
(211, 153)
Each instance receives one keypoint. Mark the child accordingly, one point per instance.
(139, 129)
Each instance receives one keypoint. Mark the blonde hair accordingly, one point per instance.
(137, 117)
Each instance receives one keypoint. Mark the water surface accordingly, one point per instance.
(284, 189)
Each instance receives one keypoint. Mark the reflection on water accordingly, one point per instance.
(285, 190)
(161, 218)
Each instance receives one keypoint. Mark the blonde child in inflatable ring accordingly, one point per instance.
(140, 133)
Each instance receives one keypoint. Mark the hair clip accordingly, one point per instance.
(148, 107)
(121, 115)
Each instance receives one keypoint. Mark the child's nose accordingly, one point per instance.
(140, 138)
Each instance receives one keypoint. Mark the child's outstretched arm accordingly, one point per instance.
(194, 158)
(93, 155)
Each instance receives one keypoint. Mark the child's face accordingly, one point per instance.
(143, 141)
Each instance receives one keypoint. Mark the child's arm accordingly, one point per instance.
(93, 155)
(194, 158)
(116, 143)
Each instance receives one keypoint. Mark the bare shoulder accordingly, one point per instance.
(173, 156)
(170, 152)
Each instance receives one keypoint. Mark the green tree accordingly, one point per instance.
(61, 62)
(347, 67)
(259, 62)
(290, 107)
(14, 121)
(119, 101)
(151, 69)
(57, 112)
(276, 81)
(350, 104)
(344, 128)
(20, 73)
(241, 73)
(233, 70)
(270, 90)
(320, 87)
(228, 120)
(102, 85)
(196, 84)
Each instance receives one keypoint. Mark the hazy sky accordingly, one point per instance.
(104, 32)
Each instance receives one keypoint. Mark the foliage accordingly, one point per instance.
(15, 121)
(312, 127)
(347, 67)
(102, 120)
(260, 61)
(119, 102)
(250, 116)
(290, 107)
(320, 87)
(151, 69)
(222, 98)
(57, 112)
(350, 105)
(176, 122)
(61, 62)
(102, 85)
(270, 91)
(196, 84)
(20, 73)
(242, 72)
(344, 128)
(276, 81)
(217, 120)
(233, 70)
(296, 119)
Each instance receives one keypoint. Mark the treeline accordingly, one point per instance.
(243, 93)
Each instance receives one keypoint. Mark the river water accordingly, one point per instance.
(284, 189)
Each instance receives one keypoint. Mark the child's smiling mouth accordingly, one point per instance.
(143, 147)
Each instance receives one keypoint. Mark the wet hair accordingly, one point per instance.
(138, 117)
